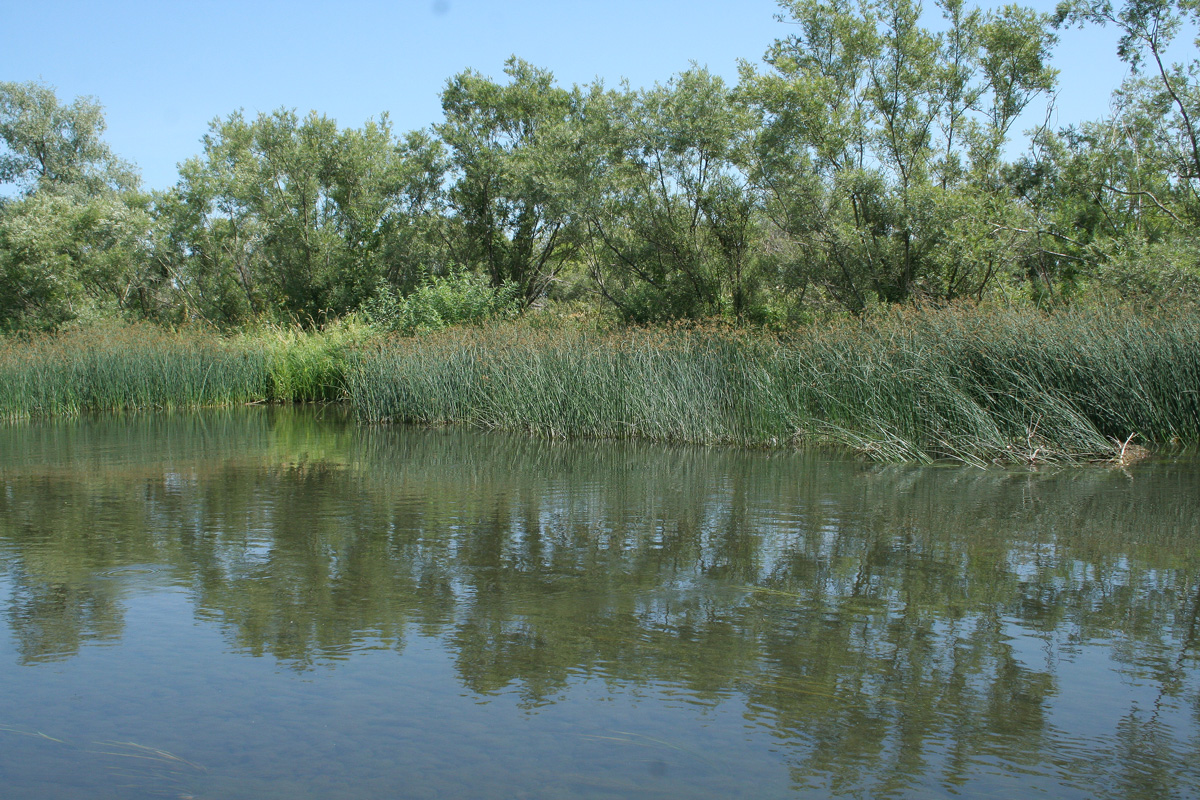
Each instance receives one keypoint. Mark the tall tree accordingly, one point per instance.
(72, 235)
(880, 143)
(671, 216)
(49, 145)
(292, 218)
(1162, 99)
(1127, 187)
(516, 167)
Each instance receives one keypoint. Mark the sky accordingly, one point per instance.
(163, 70)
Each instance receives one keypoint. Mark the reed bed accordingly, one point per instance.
(305, 365)
(121, 367)
(126, 367)
(979, 387)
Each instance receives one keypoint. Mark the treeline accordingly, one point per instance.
(867, 160)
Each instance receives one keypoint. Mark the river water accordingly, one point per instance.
(279, 603)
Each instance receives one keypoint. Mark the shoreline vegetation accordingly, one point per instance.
(855, 244)
(878, 154)
(975, 386)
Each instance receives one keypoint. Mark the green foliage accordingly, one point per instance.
(1121, 195)
(291, 219)
(460, 298)
(877, 136)
(36, 286)
(866, 164)
(672, 218)
(49, 145)
(72, 242)
(971, 386)
(306, 365)
(517, 169)
(63, 257)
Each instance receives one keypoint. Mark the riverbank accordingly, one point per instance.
(976, 387)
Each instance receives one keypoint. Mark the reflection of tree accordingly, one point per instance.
(866, 616)
(61, 597)
(52, 620)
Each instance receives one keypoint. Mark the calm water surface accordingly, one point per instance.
(269, 603)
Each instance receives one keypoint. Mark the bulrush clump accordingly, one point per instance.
(1016, 386)
(976, 386)
(114, 367)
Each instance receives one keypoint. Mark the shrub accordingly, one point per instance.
(442, 301)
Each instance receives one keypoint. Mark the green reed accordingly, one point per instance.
(305, 365)
(972, 386)
(125, 367)
(116, 367)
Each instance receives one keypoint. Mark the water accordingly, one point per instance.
(268, 603)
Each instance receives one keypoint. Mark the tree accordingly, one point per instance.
(391, 204)
(671, 216)
(53, 146)
(1158, 109)
(516, 166)
(878, 135)
(291, 218)
(1129, 184)
(74, 235)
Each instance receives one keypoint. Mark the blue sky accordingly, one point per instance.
(164, 69)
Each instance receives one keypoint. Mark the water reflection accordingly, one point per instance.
(893, 630)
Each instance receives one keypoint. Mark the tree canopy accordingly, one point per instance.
(879, 153)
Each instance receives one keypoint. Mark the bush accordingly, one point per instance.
(455, 299)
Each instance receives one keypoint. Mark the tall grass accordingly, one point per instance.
(971, 386)
(305, 365)
(116, 367)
